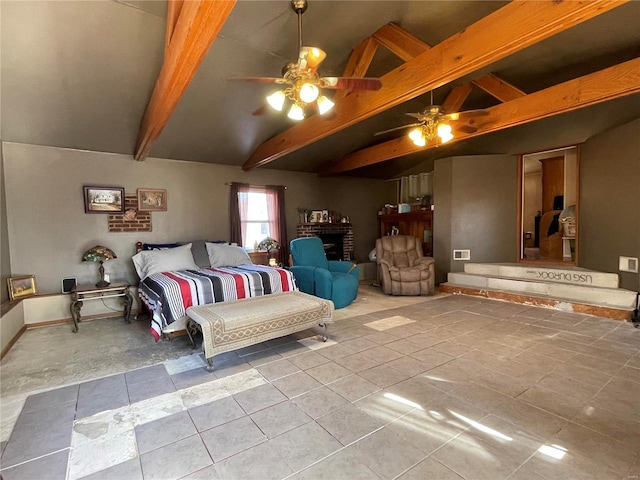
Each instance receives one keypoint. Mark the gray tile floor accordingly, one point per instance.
(463, 388)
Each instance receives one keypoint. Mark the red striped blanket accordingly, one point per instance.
(168, 295)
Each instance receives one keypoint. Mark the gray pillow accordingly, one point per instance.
(200, 254)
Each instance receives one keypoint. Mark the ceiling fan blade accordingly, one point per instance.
(258, 79)
(309, 59)
(465, 128)
(351, 83)
(398, 128)
(417, 115)
(260, 111)
(469, 114)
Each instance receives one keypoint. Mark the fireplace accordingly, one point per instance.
(333, 245)
(336, 237)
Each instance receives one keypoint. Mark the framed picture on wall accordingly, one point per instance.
(20, 287)
(152, 200)
(103, 199)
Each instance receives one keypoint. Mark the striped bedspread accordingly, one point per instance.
(169, 294)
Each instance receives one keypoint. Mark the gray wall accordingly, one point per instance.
(475, 209)
(609, 217)
(5, 259)
(442, 203)
(48, 230)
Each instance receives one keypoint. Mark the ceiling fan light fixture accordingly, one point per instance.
(276, 100)
(296, 112)
(446, 137)
(324, 104)
(416, 134)
(308, 92)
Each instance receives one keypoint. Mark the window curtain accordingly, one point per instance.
(415, 187)
(277, 220)
(238, 204)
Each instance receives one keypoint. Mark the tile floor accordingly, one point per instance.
(444, 387)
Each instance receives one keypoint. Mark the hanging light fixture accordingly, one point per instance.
(302, 77)
(434, 124)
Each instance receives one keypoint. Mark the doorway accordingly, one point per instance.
(548, 207)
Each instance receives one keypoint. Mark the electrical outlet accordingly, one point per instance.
(462, 254)
(628, 264)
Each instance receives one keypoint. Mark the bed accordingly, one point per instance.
(174, 277)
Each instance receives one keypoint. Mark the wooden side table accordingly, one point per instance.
(84, 293)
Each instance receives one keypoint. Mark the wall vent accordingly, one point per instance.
(462, 254)
(628, 264)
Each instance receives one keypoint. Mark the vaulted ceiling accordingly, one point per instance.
(81, 75)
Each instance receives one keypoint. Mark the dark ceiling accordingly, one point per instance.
(79, 75)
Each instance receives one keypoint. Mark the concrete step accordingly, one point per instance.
(591, 295)
(568, 275)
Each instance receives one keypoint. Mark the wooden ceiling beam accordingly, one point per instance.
(608, 84)
(196, 27)
(359, 61)
(456, 97)
(498, 88)
(400, 42)
(512, 28)
(173, 12)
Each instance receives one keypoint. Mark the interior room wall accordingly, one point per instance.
(48, 230)
(609, 216)
(532, 201)
(442, 205)
(478, 213)
(5, 259)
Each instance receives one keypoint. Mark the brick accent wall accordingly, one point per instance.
(315, 229)
(142, 222)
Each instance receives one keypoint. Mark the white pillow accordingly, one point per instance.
(222, 255)
(148, 262)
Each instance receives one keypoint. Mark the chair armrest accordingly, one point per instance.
(424, 261)
(305, 278)
(338, 266)
(385, 262)
(344, 267)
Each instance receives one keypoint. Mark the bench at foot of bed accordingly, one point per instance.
(229, 326)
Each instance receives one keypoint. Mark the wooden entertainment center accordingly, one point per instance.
(418, 224)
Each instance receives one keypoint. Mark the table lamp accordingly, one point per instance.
(99, 254)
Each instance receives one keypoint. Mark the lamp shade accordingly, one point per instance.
(98, 254)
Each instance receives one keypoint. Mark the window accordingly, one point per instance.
(255, 223)
(257, 212)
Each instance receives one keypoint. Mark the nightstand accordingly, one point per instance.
(85, 293)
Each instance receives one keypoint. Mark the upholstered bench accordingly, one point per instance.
(231, 325)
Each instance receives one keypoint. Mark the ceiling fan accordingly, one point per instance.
(434, 122)
(301, 81)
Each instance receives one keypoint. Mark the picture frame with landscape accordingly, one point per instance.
(20, 287)
(152, 200)
(103, 199)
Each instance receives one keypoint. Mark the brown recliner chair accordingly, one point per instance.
(402, 268)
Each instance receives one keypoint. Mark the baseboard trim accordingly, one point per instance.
(70, 320)
(607, 312)
(13, 341)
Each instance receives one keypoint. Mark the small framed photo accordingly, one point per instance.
(20, 287)
(152, 200)
(316, 216)
(325, 216)
(103, 199)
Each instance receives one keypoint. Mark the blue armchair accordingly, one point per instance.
(329, 279)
